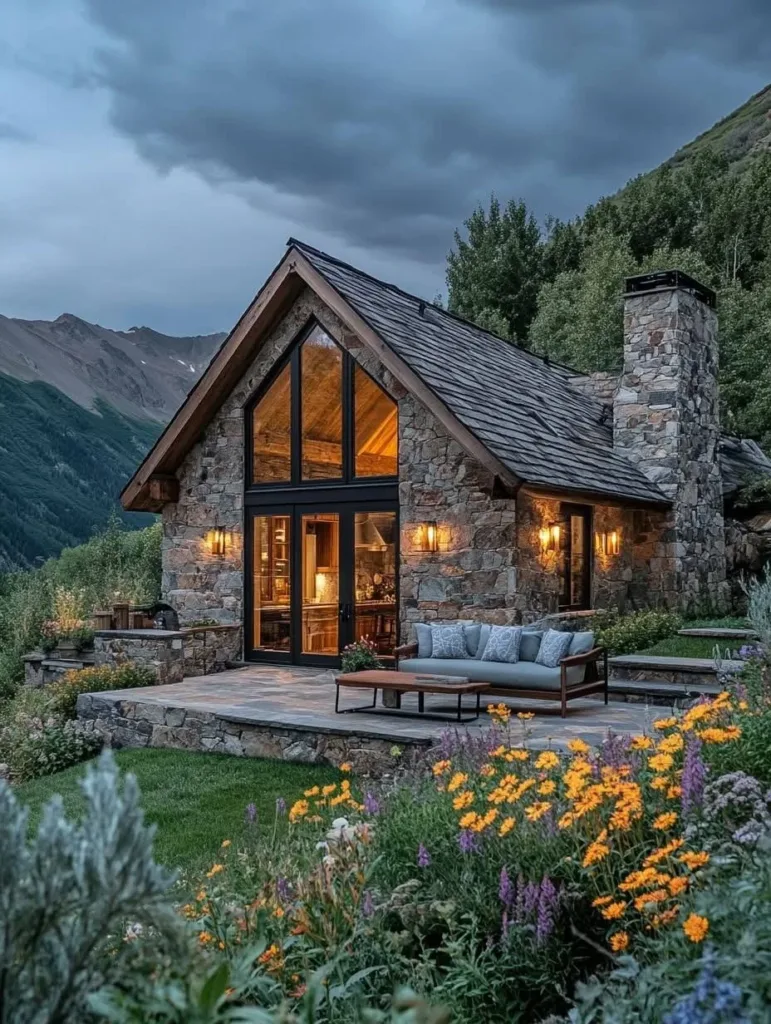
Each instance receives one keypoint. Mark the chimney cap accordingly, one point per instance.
(662, 279)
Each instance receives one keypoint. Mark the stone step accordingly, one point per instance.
(655, 692)
(662, 669)
(720, 633)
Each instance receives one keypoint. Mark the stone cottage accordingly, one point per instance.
(356, 459)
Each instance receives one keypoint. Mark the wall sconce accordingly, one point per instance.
(609, 542)
(550, 537)
(217, 541)
(429, 537)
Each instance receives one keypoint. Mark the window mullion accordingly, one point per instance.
(296, 412)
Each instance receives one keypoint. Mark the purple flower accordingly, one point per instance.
(371, 805)
(505, 924)
(250, 814)
(505, 889)
(530, 896)
(424, 857)
(280, 806)
(367, 905)
(467, 842)
(283, 890)
(548, 900)
(694, 776)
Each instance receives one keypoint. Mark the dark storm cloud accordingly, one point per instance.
(12, 133)
(389, 120)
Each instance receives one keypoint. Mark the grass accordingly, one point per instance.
(196, 800)
(691, 647)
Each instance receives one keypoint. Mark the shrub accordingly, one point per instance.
(32, 747)
(628, 633)
(65, 691)
(758, 591)
(359, 656)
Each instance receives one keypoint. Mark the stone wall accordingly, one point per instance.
(209, 649)
(601, 385)
(666, 421)
(159, 649)
(131, 723)
(748, 552)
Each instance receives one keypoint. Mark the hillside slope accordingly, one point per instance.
(744, 132)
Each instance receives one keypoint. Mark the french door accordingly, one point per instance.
(577, 558)
(320, 576)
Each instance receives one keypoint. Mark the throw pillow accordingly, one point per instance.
(472, 633)
(503, 644)
(554, 647)
(448, 642)
(423, 635)
(484, 636)
(581, 643)
(531, 644)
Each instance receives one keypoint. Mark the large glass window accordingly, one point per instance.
(271, 588)
(374, 569)
(321, 583)
(322, 407)
(376, 428)
(272, 432)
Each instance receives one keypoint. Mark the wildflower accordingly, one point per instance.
(517, 754)
(678, 885)
(614, 911)
(313, 791)
(537, 810)
(487, 771)
(660, 782)
(525, 716)
(299, 810)
(548, 900)
(468, 819)
(346, 766)
(660, 762)
(464, 799)
(671, 744)
(602, 901)
(371, 805)
(499, 713)
(694, 861)
(278, 912)
(505, 888)
(619, 941)
(578, 746)
(396, 751)
(674, 793)
(662, 852)
(641, 743)
(467, 842)
(459, 779)
(665, 917)
(201, 895)
(566, 820)
(483, 821)
(665, 821)
(250, 814)
(714, 735)
(272, 953)
(215, 870)
(547, 760)
(597, 851)
(280, 806)
(694, 776)
(547, 788)
(644, 879)
(664, 723)
(506, 826)
(367, 905)
(205, 938)
(498, 752)
(441, 767)
(328, 790)
(657, 896)
(424, 857)
(696, 927)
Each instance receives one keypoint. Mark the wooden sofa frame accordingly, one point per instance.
(595, 679)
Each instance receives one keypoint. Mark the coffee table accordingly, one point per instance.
(409, 682)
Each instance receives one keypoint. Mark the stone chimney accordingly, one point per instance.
(666, 419)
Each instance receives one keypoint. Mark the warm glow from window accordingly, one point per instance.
(376, 428)
(321, 390)
(272, 431)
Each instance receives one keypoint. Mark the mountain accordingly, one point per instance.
(745, 132)
(79, 407)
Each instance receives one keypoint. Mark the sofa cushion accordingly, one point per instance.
(473, 633)
(581, 643)
(423, 636)
(448, 642)
(471, 629)
(484, 636)
(503, 644)
(554, 647)
(531, 642)
(522, 675)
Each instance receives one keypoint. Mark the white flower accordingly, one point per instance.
(329, 860)
(323, 846)
(341, 831)
(133, 931)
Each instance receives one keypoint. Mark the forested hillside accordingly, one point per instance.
(706, 211)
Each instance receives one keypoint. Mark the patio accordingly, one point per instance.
(288, 712)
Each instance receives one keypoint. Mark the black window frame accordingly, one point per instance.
(586, 513)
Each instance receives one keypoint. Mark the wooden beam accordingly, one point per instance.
(591, 497)
(163, 488)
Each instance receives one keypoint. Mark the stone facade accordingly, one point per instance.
(208, 649)
(131, 723)
(160, 649)
(666, 421)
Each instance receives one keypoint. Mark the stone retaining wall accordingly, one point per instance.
(160, 649)
(131, 723)
(210, 649)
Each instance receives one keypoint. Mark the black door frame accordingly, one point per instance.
(586, 513)
(346, 506)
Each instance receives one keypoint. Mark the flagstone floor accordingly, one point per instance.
(304, 699)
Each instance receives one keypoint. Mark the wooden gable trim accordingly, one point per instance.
(593, 497)
(228, 365)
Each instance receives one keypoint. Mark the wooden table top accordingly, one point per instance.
(410, 682)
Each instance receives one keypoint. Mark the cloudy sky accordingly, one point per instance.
(156, 154)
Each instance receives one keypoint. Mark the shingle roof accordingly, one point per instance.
(519, 406)
(740, 460)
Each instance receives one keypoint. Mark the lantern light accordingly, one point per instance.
(430, 537)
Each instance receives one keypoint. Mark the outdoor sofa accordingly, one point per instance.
(583, 669)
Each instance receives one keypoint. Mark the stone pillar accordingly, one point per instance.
(159, 649)
(666, 420)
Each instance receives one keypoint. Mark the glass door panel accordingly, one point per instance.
(577, 560)
(374, 579)
(271, 546)
(577, 555)
(320, 548)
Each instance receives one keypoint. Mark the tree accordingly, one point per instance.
(494, 275)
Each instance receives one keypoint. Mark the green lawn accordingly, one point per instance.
(691, 647)
(196, 800)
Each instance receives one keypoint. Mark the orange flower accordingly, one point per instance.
(215, 870)
(517, 754)
(659, 782)
(662, 852)
(537, 810)
(671, 744)
(468, 819)
(440, 767)
(459, 779)
(694, 860)
(578, 746)
(614, 911)
(665, 917)
(665, 821)
(641, 742)
(602, 901)
(486, 771)
(678, 885)
(547, 760)
(661, 762)
(644, 879)
(597, 851)
(464, 799)
(674, 792)
(525, 716)
(657, 896)
(664, 723)
(619, 942)
(346, 766)
(547, 788)
(225, 844)
(696, 927)
(506, 826)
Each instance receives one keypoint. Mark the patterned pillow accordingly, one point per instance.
(503, 644)
(554, 647)
(448, 642)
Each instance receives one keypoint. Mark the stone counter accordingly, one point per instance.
(159, 649)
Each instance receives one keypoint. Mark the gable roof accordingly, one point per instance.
(512, 410)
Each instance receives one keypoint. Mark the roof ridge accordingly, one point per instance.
(298, 244)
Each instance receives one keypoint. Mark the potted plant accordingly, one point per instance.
(360, 656)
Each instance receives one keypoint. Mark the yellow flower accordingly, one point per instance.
(440, 767)
(215, 870)
(619, 942)
(614, 911)
(664, 723)
(205, 937)
(579, 747)
(200, 895)
(596, 851)
(483, 821)
(660, 762)
(547, 760)
(696, 927)
(566, 820)
(464, 799)
(674, 792)
(346, 766)
(678, 885)
(641, 902)
(298, 810)
(602, 901)
(693, 861)
(506, 826)
(314, 791)
(665, 821)
(665, 917)
(525, 716)
(537, 810)
(225, 844)
(662, 852)
(278, 912)
(516, 754)
(671, 744)
(660, 782)
(731, 732)
(547, 788)
(459, 779)
(487, 771)
(329, 789)
(644, 879)
(468, 819)
(641, 742)
(498, 752)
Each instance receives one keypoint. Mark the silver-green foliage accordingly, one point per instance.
(758, 591)
(66, 895)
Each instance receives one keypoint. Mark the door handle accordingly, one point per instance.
(345, 613)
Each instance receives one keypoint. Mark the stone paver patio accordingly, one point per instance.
(293, 700)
